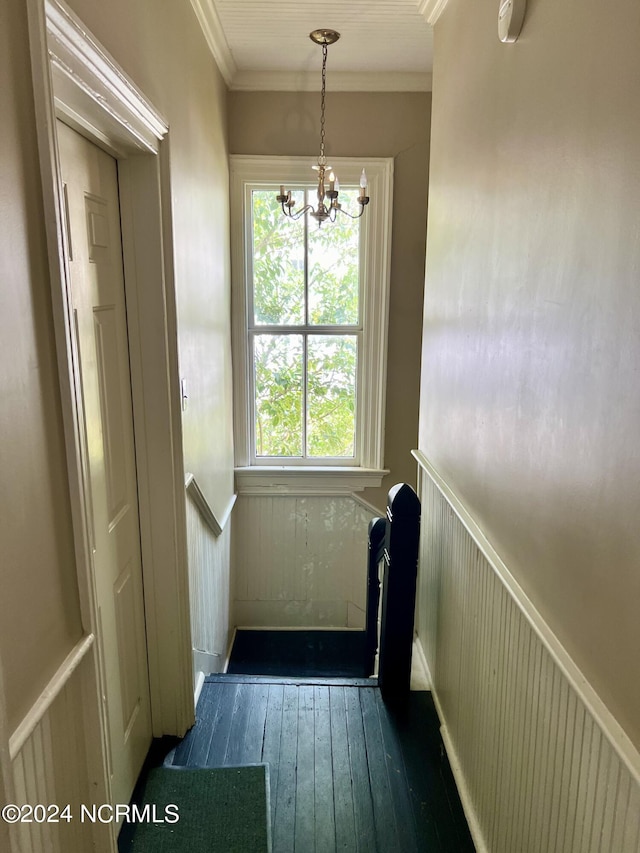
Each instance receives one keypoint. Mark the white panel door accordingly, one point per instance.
(97, 285)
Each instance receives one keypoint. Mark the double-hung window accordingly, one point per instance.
(309, 328)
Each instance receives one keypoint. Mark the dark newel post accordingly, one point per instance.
(377, 529)
(399, 590)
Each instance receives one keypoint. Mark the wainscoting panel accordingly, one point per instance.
(300, 561)
(50, 767)
(209, 589)
(540, 763)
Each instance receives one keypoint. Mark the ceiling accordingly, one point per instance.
(385, 45)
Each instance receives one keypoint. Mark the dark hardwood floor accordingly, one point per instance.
(347, 772)
(321, 654)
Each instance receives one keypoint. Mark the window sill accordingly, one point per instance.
(304, 480)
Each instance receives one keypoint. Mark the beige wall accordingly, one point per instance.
(360, 125)
(39, 608)
(532, 313)
(162, 48)
(159, 44)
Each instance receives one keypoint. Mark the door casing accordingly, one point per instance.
(76, 80)
(97, 285)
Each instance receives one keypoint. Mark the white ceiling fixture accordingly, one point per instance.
(385, 45)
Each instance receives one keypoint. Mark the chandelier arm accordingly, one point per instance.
(351, 215)
(298, 213)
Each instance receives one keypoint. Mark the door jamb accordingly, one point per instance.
(76, 79)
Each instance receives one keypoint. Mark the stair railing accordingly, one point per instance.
(377, 533)
(396, 541)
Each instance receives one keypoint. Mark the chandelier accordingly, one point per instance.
(330, 208)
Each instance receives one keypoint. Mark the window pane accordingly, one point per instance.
(331, 394)
(278, 261)
(334, 267)
(278, 388)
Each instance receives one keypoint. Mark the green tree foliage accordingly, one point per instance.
(332, 269)
(278, 263)
(331, 394)
(278, 383)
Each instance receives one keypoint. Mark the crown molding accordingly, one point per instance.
(431, 9)
(214, 34)
(90, 87)
(340, 81)
(291, 81)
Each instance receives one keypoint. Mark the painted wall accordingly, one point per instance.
(39, 608)
(162, 48)
(531, 343)
(360, 125)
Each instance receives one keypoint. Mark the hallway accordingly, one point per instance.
(346, 772)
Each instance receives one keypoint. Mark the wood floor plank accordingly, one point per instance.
(325, 826)
(200, 735)
(254, 738)
(238, 729)
(418, 729)
(342, 790)
(362, 802)
(272, 740)
(224, 678)
(305, 829)
(397, 775)
(347, 772)
(303, 652)
(284, 826)
(222, 726)
(383, 812)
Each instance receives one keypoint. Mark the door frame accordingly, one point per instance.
(75, 79)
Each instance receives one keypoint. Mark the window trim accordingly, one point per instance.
(248, 172)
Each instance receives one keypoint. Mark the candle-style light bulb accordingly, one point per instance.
(363, 181)
(332, 181)
(337, 185)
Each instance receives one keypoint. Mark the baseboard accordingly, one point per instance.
(419, 668)
(199, 683)
(458, 775)
(461, 785)
(341, 628)
(229, 650)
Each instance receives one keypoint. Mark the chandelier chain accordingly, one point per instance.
(322, 101)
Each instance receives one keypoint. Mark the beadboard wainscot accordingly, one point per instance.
(53, 766)
(300, 561)
(209, 550)
(540, 762)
